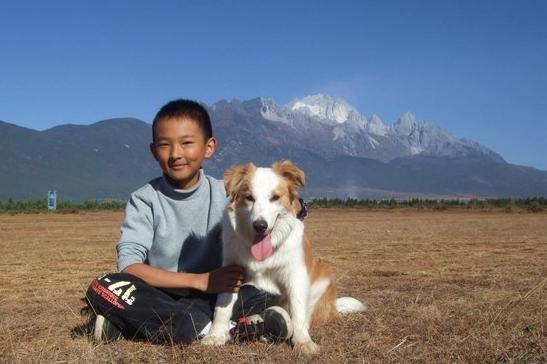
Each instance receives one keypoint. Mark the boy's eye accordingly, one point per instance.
(274, 198)
(187, 143)
(250, 198)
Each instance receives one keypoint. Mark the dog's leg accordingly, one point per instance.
(317, 291)
(220, 329)
(298, 293)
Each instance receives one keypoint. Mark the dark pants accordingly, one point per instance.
(161, 315)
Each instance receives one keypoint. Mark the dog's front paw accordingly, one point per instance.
(307, 348)
(215, 339)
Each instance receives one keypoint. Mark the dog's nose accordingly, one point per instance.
(260, 226)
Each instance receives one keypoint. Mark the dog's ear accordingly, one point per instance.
(234, 176)
(292, 174)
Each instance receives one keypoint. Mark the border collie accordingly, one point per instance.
(262, 233)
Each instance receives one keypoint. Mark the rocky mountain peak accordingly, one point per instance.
(376, 126)
(406, 124)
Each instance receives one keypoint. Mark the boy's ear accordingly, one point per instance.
(210, 147)
(234, 178)
(292, 174)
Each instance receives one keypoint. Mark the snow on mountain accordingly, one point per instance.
(323, 107)
(271, 111)
(376, 126)
(406, 124)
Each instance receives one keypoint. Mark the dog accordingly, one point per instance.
(262, 233)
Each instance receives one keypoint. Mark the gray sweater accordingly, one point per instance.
(177, 230)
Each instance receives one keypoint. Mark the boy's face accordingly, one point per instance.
(180, 147)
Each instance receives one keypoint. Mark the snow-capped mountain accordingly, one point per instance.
(343, 130)
(345, 156)
(342, 152)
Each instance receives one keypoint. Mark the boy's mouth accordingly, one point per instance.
(178, 166)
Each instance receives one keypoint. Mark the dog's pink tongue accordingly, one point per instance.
(262, 249)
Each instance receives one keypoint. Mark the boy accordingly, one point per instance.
(169, 253)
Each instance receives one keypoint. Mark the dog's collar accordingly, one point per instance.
(303, 211)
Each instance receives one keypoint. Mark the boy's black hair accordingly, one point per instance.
(185, 109)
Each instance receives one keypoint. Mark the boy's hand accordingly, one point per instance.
(224, 279)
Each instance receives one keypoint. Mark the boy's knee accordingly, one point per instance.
(112, 291)
(252, 300)
(250, 292)
(118, 277)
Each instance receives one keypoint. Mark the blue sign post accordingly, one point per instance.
(51, 200)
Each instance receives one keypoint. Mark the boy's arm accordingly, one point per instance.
(136, 240)
(137, 233)
(224, 279)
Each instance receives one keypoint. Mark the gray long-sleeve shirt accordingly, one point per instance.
(176, 230)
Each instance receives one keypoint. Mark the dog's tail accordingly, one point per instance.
(346, 305)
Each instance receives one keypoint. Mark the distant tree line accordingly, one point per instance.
(533, 204)
(62, 206)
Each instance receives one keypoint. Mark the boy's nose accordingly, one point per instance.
(176, 152)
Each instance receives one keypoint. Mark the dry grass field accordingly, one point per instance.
(458, 287)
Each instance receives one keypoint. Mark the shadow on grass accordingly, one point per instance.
(85, 329)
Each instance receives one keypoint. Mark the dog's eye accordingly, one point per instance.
(250, 198)
(274, 198)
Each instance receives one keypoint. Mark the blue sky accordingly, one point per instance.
(476, 68)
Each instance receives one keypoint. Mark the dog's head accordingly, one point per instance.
(259, 196)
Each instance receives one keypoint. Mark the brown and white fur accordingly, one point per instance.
(270, 195)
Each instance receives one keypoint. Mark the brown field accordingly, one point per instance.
(460, 287)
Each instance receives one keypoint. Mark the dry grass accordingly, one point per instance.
(441, 286)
